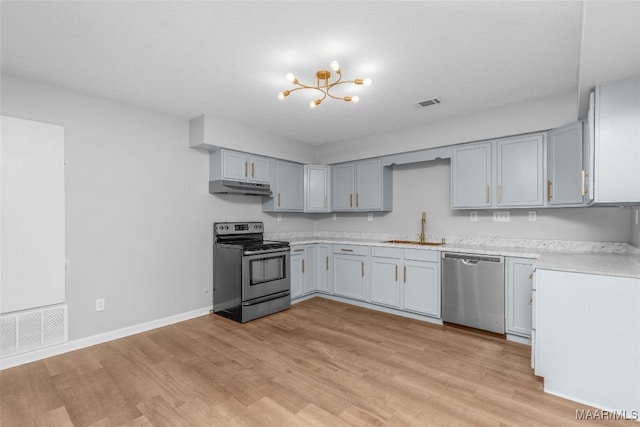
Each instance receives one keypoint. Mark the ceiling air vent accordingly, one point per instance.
(429, 102)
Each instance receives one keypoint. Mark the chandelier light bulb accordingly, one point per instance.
(281, 96)
(335, 66)
(314, 104)
(291, 77)
(355, 99)
(366, 82)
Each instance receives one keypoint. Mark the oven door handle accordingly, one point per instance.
(266, 251)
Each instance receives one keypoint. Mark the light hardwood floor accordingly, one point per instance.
(321, 363)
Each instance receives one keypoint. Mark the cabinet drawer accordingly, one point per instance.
(422, 255)
(386, 252)
(350, 249)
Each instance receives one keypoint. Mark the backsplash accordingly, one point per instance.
(542, 244)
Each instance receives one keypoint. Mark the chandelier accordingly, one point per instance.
(323, 85)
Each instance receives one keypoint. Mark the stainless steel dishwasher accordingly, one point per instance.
(473, 291)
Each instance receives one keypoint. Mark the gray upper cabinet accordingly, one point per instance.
(471, 175)
(520, 171)
(316, 188)
(565, 173)
(614, 151)
(343, 186)
(237, 166)
(287, 185)
(508, 172)
(362, 186)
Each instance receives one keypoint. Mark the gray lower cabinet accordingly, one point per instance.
(287, 185)
(407, 279)
(566, 176)
(302, 269)
(386, 265)
(421, 282)
(297, 275)
(323, 265)
(519, 296)
(349, 271)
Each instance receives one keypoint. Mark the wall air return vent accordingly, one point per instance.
(429, 102)
(30, 330)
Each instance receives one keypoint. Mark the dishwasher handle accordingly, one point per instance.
(469, 259)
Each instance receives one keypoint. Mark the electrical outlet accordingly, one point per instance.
(473, 216)
(334, 217)
(501, 217)
(279, 217)
(532, 216)
(369, 217)
(100, 304)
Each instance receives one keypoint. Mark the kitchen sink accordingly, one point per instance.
(416, 242)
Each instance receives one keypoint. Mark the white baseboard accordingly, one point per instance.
(518, 339)
(21, 359)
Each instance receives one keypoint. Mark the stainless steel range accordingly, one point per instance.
(250, 274)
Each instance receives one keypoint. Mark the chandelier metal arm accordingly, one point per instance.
(338, 82)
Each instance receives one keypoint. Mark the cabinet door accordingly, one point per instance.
(316, 188)
(565, 173)
(519, 296)
(235, 165)
(297, 273)
(258, 169)
(322, 268)
(520, 172)
(421, 287)
(368, 185)
(385, 283)
(617, 147)
(289, 186)
(342, 187)
(309, 269)
(471, 176)
(349, 276)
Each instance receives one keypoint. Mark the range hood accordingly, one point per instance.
(224, 186)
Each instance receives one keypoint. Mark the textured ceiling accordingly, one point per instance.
(229, 58)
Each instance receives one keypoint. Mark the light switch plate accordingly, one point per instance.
(369, 217)
(473, 217)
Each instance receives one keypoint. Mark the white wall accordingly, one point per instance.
(208, 132)
(528, 116)
(425, 187)
(138, 212)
